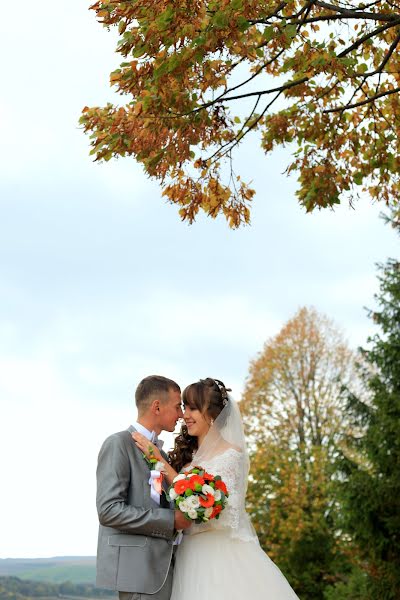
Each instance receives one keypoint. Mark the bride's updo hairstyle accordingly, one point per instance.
(209, 396)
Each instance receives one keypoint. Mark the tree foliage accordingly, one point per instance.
(293, 411)
(199, 77)
(370, 464)
(295, 390)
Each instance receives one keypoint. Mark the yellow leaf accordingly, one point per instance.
(138, 109)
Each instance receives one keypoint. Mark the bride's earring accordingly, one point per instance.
(212, 422)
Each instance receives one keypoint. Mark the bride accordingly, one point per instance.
(221, 558)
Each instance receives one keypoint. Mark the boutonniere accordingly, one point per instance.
(151, 459)
(157, 471)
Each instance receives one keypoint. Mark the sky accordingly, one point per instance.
(101, 283)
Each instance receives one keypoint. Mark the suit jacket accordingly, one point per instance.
(135, 542)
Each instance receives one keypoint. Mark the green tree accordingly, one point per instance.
(370, 463)
(293, 411)
(199, 77)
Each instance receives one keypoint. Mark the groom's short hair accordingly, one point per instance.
(152, 387)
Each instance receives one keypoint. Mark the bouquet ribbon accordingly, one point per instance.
(155, 482)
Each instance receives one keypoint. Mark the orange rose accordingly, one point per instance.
(216, 510)
(195, 479)
(220, 485)
(208, 477)
(181, 486)
(208, 502)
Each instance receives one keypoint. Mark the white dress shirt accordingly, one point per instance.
(152, 437)
(142, 429)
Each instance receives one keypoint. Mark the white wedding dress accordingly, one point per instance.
(222, 559)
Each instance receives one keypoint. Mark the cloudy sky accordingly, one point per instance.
(101, 284)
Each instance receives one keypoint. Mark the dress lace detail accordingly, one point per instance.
(229, 465)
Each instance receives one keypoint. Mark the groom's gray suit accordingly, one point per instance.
(135, 534)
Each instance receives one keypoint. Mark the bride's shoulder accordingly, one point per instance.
(227, 449)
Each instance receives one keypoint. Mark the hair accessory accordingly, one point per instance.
(224, 391)
(210, 382)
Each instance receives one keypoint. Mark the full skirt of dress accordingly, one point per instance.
(212, 566)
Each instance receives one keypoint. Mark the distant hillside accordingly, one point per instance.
(76, 569)
(13, 588)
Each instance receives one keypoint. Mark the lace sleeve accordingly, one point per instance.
(229, 465)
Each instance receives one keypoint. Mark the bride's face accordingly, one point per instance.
(196, 422)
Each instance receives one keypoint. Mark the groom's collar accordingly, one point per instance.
(150, 435)
(143, 430)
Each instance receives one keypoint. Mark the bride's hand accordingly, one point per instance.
(149, 449)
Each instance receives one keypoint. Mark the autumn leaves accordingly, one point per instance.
(319, 77)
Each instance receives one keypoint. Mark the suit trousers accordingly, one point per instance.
(163, 594)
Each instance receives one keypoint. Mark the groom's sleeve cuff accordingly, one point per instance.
(163, 523)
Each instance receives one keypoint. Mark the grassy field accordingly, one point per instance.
(58, 574)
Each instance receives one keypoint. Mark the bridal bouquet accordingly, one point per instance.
(199, 495)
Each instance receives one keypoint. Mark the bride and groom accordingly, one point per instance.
(140, 553)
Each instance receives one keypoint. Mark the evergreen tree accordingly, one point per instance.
(369, 466)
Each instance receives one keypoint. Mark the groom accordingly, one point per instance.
(137, 527)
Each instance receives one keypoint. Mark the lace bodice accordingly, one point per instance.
(229, 465)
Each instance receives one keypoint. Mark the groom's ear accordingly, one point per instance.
(155, 406)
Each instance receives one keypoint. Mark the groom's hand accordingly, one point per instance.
(181, 522)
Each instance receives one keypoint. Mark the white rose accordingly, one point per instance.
(217, 495)
(179, 477)
(173, 494)
(208, 512)
(192, 512)
(183, 506)
(207, 489)
(193, 501)
(159, 466)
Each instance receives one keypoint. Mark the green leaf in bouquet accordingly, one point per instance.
(188, 492)
(198, 487)
(212, 484)
(217, 478)
(196, 471)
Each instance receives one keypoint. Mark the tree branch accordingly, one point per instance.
(338, 13)
(348, 13)
(386, 59)
(362, 102)
(368, 36)
(237, 140)
(281, 88)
